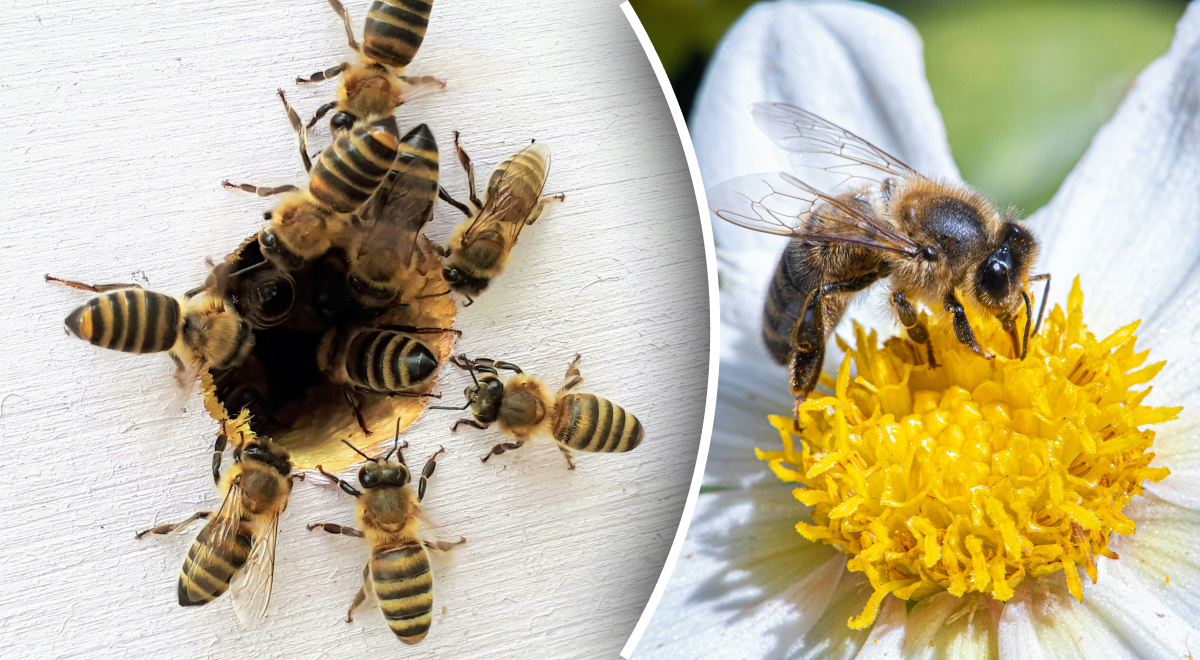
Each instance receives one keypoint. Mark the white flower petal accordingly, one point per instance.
(886, 641)
(1017, 634)
(1135, 614)
(945, 626)
(1165, 547)
(745, 580)
(1066, 630)
(740, 424)
(1126, 217)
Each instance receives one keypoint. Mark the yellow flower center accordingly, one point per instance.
(976, 474)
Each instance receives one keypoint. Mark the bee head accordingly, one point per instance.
(381, 471)
(1000, 279)
(485, 398)
(462, 282)
(263, 453)
(297, 231)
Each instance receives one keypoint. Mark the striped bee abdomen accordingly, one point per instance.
(350, 169)
(388, 361)
(417, 161)
(394, 30)
(793, 283)
(208, 568)
(404, 588)
(587, 422)
(129, 320)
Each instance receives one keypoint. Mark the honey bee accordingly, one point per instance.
(479, 245)
(198, 330)
(235, 551)
(389, 514)
(386, 360)
(523, 407)
(376, 85)
(930, 238)
(307, 222)
(390, 252)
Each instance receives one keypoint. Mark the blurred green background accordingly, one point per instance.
(1022, 85)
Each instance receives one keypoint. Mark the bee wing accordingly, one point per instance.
(512, 194)
(817, 143)
(781, 204)
(403, 207)
(220, 532)
(251, 587)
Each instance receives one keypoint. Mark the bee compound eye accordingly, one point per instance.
(451, 274)
(367, 478)
(268, 239)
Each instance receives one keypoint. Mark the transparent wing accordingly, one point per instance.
(821, 144)
(251, 587)
(220, 532)
(394, 218)
(779, 203)
(513, 192)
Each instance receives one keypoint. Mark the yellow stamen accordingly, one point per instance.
(979, 473)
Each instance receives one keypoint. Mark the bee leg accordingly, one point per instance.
(444, 546)
(543, 206)
(361, 596)
(809, 334)
(218, 454)
(427, 472)
(331, 72)
(453, 202)
(469, 167)
(420, 331)
(175, 527)
(567, 455)
(321, 112)
(341, 10)
(261, 191)
(94, 288)
(344, 485)
(501, 448)
(415, 87)
(573, 377)
(912, 324)
(468, 422)
(298, 126)
(356, 406)
(334, 528)
(962, 326)
(490, 366)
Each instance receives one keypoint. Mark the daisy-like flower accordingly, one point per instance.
(799, 552)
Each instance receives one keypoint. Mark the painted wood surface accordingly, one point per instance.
(120, 120)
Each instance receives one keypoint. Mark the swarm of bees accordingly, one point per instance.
(930, 239)
(332, 323)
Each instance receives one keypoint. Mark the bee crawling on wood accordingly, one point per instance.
(523, 408)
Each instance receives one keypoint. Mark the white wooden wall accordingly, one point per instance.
(120, 120)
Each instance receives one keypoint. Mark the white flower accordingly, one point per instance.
(1127, 220)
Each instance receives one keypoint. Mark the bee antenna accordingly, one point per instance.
(462, 407)
(396, 447)
(357, 451)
